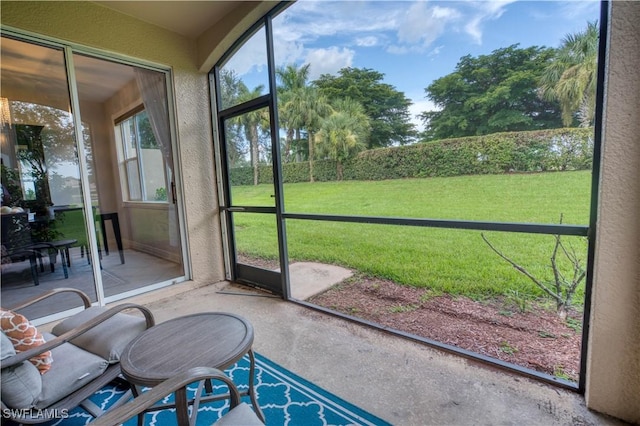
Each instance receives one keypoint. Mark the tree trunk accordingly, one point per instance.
(287, 146)
(311, 157)
(254, 154)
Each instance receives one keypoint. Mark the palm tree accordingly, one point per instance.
(307, 108)
(252, 122)
(291, 79)
(344, 132)
(571, 77)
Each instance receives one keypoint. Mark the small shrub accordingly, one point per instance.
(507, 348)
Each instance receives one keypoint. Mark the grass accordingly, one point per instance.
(446, 260)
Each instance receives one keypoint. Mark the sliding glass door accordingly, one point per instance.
(89, 196)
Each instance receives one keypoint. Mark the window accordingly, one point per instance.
(142, 164)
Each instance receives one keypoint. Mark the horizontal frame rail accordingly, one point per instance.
(530, 228)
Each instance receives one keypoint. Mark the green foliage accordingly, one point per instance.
(386, 107)
(574, 324)
(343, 133)
(291, 80)
(571, 77)
(147, 138)
(507, 348)
(161, 194)
(549, 150)
(491, 93)
(399, 309)
(519, 299)
(515, 152)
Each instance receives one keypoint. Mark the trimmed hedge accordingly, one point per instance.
(532, 151)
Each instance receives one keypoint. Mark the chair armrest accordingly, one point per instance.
(85, 299)
(150, 397)
(72, 334)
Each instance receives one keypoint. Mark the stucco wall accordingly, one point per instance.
(613, 369)
(95, 26)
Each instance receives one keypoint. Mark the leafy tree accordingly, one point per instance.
(230, 88)
(147, 138)
(306, 108)
(344, 132)
(491, 93)
(57, 136)
(386, 107)
(253, 123)
(571, 77)
(291, 79)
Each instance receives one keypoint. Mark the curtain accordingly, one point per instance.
(153, 89)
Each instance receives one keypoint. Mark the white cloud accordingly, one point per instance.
(252, 56)
(436, 50)
(422, 25)
(368, 41)
(397, 50)
(484, 11)
(328, 61)
(417, 108)
(473, 29)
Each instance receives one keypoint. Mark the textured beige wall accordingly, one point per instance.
(613, 369)
(92, 25)
(214, 42)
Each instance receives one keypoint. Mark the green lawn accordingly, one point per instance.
(453, 261)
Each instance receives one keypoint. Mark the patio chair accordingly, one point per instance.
(84, 356)
(17, 246)
(240, 413)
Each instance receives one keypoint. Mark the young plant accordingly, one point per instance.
(562, 288)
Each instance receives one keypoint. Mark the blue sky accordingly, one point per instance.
(411, 42)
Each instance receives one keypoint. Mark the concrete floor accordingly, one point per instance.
(403, 382)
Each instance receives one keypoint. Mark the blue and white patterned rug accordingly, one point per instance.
(285, 399)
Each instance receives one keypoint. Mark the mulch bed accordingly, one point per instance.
(536, 337)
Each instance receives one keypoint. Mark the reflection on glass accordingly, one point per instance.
(453, 287)
(45, 239)
(41, 181)
(244, 76)
(147, 230)
(249, 158)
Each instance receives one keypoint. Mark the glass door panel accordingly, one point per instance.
(251, 198)
(128, 151)
(256, 240)
(83, 215)
(249, 159)
(43, 211)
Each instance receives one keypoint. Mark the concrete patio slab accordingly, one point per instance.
(310, 278)
(401, 381)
